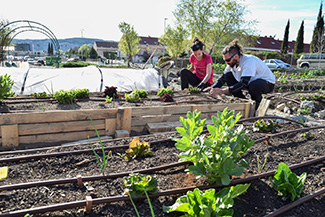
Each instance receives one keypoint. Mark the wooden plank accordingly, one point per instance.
(9, 135)
(59, 137)
(198, 108)
(263, 107)
(162, 127)
(160, 110)
(142, 121)
(221, 107)
(59, 127)
(247, 110)
(110, 126)
(56, 116)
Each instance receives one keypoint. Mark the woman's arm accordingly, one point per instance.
(208, 74)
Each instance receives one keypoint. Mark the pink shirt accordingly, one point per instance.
(200, 67)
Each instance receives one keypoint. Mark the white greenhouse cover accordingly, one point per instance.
(95, 79)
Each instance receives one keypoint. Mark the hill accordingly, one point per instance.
(65, 44)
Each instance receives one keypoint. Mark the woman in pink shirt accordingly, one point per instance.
(200, 73)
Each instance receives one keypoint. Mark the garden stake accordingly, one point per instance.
(89, 203)
(79, 181)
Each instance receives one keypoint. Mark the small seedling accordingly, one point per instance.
(193, 90)
(259, 166)
(102, 161)
(137, 184)
(307, 135)
(108, 99)
(305, 111)
(264, 126)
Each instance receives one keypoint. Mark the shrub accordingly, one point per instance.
(5, 86)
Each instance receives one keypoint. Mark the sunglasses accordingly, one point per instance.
(196, 47)
(229, 59)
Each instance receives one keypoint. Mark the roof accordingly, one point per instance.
(275, 44)
(107, 44)
(149, 40)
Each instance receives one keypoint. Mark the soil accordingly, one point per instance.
(259, 200)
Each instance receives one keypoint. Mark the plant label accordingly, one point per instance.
(3, 172)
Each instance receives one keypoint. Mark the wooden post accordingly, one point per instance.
(9, 135)
(110, 126)
(123, 119)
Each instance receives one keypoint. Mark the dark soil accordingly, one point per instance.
(259, 200)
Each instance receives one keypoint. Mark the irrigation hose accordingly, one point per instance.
(111, 199)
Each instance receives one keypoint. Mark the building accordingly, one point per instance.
(271, 44)
(103, 48)
(148, 46)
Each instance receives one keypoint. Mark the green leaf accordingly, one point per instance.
(238, 189)
(237, 171)
(225, 180)
(228, 165)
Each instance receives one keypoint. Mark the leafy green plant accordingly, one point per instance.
(108, 99)
(64, 96)
(132, 97)
(162, 91)
(287, 184)
(193, 90)
(264, 126)
(307, 135)
(140, 92)
(217, 156)
(5, 86)
(305, 111)
(137, 184)
(137, 149)
(102, 161)
(81, 93)
(209, 203)
(41, 94)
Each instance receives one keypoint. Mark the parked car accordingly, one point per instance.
(312, 60)
(276, 64)
(75, 59)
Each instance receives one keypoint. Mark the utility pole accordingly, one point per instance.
(164, 33)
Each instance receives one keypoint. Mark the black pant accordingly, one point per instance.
(255, 88)
(188, 77)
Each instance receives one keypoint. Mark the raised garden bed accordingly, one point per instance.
(28, 120)
(259, 200)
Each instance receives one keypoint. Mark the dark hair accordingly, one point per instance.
(197, 44)
(233, 48)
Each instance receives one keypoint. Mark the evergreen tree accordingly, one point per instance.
(317, 40)
(93, 53)
(284, 45)
(49, 49)
(299, 45)
(52, 50)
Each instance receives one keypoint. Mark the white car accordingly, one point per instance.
(276, 64)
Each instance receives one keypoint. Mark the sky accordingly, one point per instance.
(100, 18)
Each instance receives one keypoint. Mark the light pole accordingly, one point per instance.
(164, 33)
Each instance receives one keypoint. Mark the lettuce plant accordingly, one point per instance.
(217, 156)
(5, 86)
(137, 185)
(162, 91)
(137, 149)
(209, 203)
(287, 184)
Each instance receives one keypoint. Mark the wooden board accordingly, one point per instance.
(56, 116)
(9, 135)
(263, 107)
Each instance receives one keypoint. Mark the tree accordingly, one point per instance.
(70, 52)
(299, 45)
(129, 43)
(318, 34)
(284, 45)
(84, 51)
(175, 40)
(213, 22)
(5, 38)
(93, 53)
